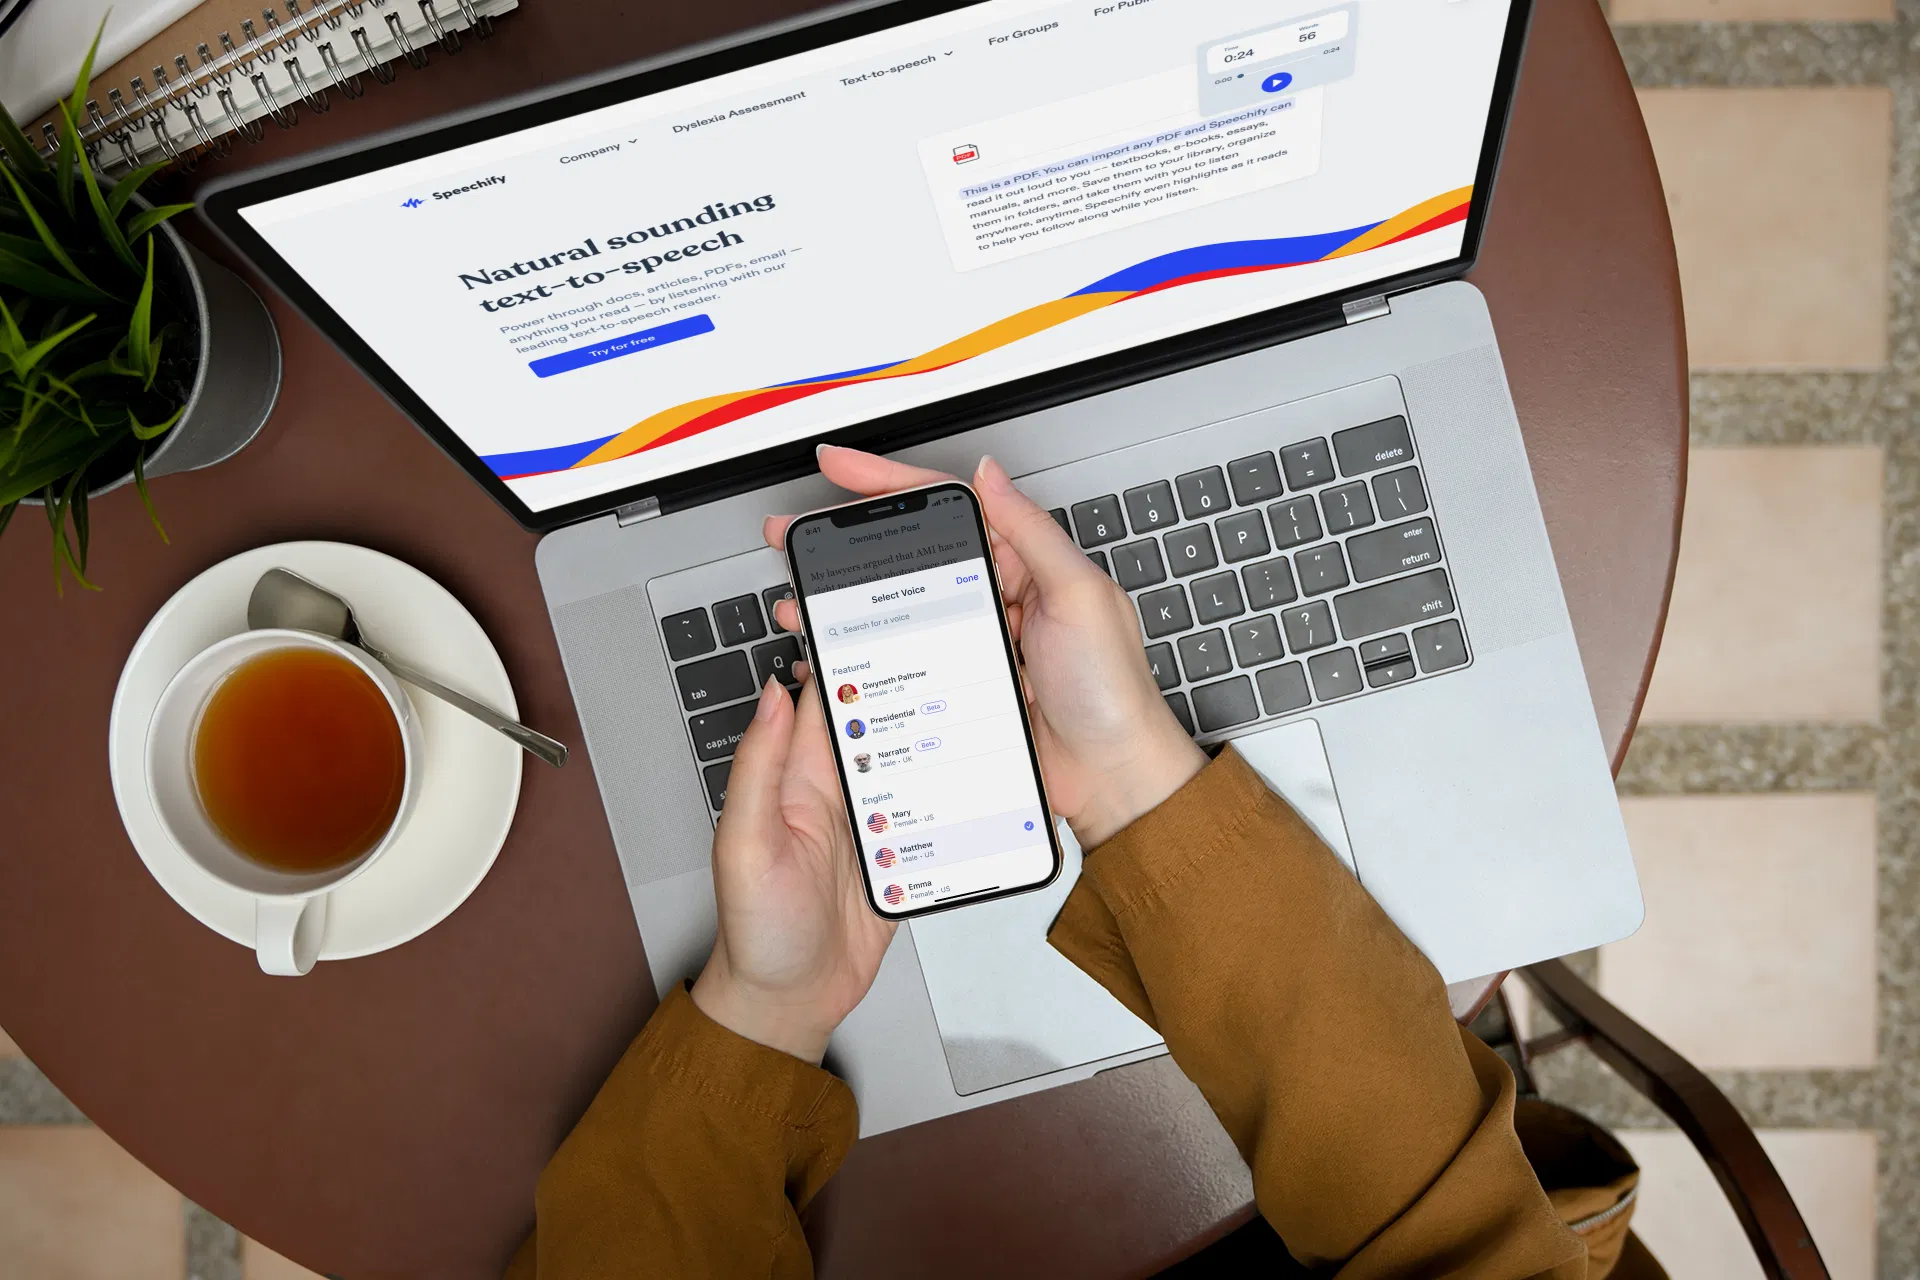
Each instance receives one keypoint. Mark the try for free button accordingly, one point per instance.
(624, 345)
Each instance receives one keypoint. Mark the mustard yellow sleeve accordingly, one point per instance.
(1380, 1134)
(695, 1159)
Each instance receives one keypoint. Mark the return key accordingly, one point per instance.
(1392, 550)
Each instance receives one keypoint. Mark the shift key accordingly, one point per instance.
(1393, 605)
(1395, 549)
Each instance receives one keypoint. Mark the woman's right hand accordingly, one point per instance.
(1109, 748)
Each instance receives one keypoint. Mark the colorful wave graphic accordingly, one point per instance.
(1168, 271)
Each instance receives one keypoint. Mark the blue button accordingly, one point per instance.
(624, 345)
(1029, 826)
(1277, 81)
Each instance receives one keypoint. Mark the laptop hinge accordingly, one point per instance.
(635, 512)
(1366, 308)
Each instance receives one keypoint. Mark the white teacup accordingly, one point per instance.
(290, 908)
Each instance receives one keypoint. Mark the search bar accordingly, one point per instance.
(1279, 42)
(904, 616)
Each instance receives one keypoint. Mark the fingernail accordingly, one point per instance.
(767, 699)
(993, 473)
(819, 449)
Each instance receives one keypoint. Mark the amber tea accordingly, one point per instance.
(298, 760)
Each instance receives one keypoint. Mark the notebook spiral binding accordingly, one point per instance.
(201, 108)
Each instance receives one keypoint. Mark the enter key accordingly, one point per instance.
(1392, 550)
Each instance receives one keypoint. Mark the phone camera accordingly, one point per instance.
(903, 506)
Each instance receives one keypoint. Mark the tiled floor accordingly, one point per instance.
(1771, 791)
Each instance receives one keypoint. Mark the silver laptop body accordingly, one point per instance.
(1475, 803)
(1323, 510)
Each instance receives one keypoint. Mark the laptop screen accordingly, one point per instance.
(681, 279)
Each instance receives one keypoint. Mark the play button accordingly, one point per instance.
(1276, 82)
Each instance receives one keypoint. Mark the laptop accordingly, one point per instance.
(1191, 269)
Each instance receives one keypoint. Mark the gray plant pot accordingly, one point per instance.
(237, 378)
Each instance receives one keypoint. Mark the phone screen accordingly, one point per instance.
(915, 666)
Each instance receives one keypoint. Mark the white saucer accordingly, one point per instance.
(470, 784)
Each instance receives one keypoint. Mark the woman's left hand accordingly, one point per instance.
(798, 945)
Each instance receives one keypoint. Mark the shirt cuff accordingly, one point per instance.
(1212, 812)
(682, 1043)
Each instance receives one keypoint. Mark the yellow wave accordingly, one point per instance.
(1401, 223)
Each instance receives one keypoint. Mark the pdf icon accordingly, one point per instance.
(965, 153)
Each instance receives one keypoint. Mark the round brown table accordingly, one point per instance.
(389, 1116)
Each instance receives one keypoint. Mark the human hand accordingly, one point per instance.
(1110, 750)
(798, 947)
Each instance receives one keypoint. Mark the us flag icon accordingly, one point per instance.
(877, 822)
(894, 894)
(884, 858)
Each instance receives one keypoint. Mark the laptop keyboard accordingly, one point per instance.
(1324, 552)
(1265, 585)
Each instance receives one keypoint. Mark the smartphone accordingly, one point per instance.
(915, 666)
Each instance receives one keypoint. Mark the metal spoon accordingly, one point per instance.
(284, 599)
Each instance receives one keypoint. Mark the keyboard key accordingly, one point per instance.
(1150, 507)
(716, 778)
(775, 659)
(738, 620)
(1160, 662)
(1138, 564)
(1224, 705)
(1177, 703)
(1393, 605)
(1309, 464)
(1243, 535)
(717, 733)
(1440, 646)
(1269, 583)
(1099, 559)
(1387, 673)
(1202, 493)
(1098, 521)
(1320, 568)
(1254, 479)
(1059, 515)
(773, 596)
(688, 634)
(1190, 550)
(1295, 523)
(1399, 493)
(1347, 507)
(714, 680)
(1256, 641)
(1308, 627)
(1204, 656)
(1385, 443)
(1216, 598)
(1335, 675)
(1164, 612)
(1283, 689)
(1385, 649)
(1394, 549)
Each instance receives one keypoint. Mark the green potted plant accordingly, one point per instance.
(124, 352)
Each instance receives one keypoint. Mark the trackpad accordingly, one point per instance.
(1010, 1007)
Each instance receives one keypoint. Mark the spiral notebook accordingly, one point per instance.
(226, 69)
